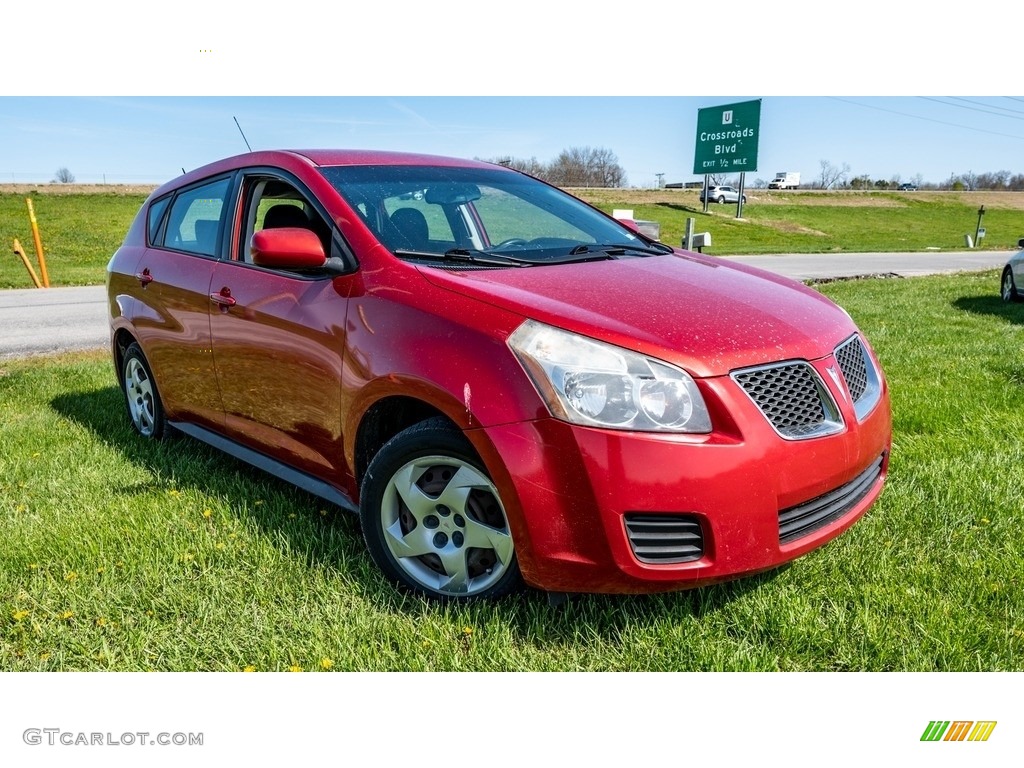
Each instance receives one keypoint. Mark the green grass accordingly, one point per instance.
(824, 223)
(80, 232)
(121, 554)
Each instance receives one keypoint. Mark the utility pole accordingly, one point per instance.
(661, 177)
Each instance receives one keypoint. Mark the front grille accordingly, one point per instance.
(664, 538)
(851, 359)
(808, 517)
(793, 399)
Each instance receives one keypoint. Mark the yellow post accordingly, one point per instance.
(39, 242)
(28, 265)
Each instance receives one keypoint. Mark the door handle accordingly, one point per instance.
(144, 277)
(224, 299)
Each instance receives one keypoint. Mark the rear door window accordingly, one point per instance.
(196, 217)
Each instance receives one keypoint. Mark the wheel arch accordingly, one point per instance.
(120, 341)
(384, 419)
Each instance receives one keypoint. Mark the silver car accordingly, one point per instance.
(1013, 275)
(720, 194)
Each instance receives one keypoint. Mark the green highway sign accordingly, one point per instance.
(727, 138)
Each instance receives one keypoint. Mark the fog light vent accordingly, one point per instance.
(664, 538)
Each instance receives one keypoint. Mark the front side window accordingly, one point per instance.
(194, 222)
(273, 203)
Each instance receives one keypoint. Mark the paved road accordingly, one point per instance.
(804, 266)
(40, 321)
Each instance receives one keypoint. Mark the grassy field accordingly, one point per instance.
(120, 554)
(822, 222)
(81, 230)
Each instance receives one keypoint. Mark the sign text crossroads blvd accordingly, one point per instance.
(727, 138)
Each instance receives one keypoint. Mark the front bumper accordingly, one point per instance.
(569, 491)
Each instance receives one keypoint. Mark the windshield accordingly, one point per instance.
(435, 211)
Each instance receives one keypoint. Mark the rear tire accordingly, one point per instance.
(145, 408)
(721, 199)
(433, 520)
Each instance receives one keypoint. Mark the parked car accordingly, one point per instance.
(722, 194)
(505, 383)
(907, 187)
(1013, 275)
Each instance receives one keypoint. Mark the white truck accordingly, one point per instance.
(785, 180)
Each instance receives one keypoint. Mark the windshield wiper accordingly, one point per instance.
(621, 249)
(469, 257)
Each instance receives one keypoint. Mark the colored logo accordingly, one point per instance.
(958, 730)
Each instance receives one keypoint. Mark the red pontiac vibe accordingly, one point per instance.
(506, 384)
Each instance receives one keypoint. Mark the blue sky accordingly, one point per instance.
(149, 139)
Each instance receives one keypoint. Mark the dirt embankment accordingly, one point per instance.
(77, 189)
(808, 197)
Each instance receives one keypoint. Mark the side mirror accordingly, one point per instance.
(287, 248)
(1020, 243)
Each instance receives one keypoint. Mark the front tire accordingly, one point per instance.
(1008, 289)
(433, 520)
(145, 408)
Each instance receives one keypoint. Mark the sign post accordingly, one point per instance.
(727, 138)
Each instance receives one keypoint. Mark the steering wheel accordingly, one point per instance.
(512, 242)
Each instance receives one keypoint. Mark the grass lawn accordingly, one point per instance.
(120, 554)
(79, 232)
(815, 222)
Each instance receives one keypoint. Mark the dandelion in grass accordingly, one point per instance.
(249, 668)
(326, 663)
(19, 615)
(295, 668)
(207, 513)
(67, 615)
(70, 576)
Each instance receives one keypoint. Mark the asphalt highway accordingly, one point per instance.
(39, 321)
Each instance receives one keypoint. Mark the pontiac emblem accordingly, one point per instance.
(835, 377)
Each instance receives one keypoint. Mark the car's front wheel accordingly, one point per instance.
(1008, 288)
(142, 397)
(432, 518)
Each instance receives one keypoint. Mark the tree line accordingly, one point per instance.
(574, 167)
(838, 176)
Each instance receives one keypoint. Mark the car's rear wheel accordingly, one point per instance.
(1008, 287)
(142, 397)
(721, 199)
(433, 520)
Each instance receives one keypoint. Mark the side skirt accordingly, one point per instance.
(274, 467)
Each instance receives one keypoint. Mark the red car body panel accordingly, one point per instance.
(290, 366)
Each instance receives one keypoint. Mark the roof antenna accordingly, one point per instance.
(242, 132)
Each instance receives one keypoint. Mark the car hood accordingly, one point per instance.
(706, 314)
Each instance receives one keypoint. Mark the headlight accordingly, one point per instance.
(596, 384)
